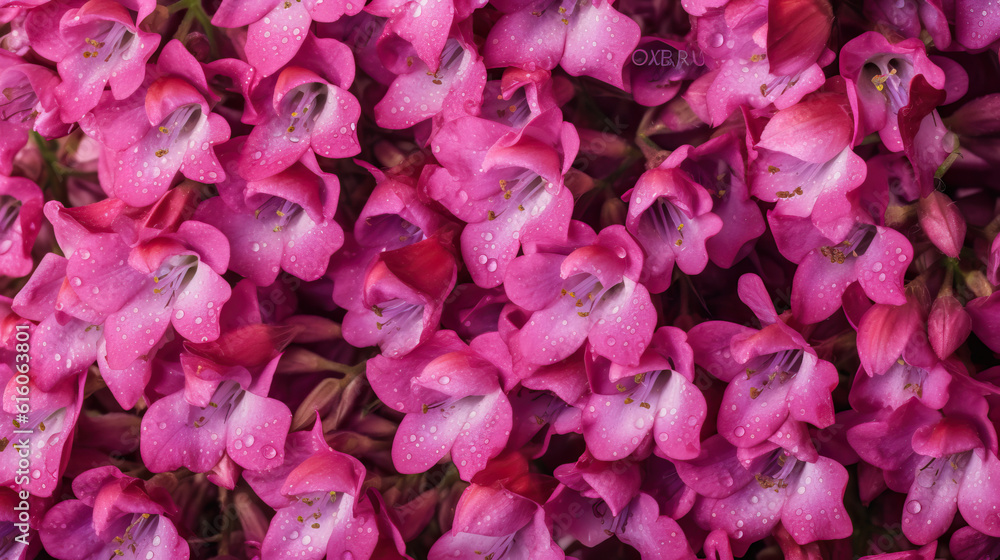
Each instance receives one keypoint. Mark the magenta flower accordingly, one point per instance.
(453, 404)
(29, 104)
(879, 75)
(514, 526)
(418, 93)
(20, 218)
(738, 41)
(403, 293)
(327, 515)
(113, 513)
(582, 296)
(670, 216)
(277, 28)
(508, 186)
(601, 500)
(586, 40)
(180, 136)
(172, 280)
(222, 411)
(773, 373)
(809, 178)
(284, 222)
(50, 427)
(747, 498)
(96, 44)
(654, 399)
(305, 112)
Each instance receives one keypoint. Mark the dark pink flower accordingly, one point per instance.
(95, 44)
(879, 75)
(327, 515)
(278, 28)
(453, 404)
(653, 400)
(581, 296)
(113, 513)
(590, 39)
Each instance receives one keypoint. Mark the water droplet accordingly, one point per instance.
(877, 267)
(268, 452)
(444, 380)
(163, 425)
(492, 265)
(717, 40)
(739, 431)
(250, 440)
(692, 420)
(913, 507)
(610, 341)
(76, 281)
(84, 254)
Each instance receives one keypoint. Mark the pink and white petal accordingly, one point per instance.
(554, 333)
(931, 502)
(197, 318)
(438, 429)
(979, 495)
(310, 537)
(334, 134)
(170, 439)
(747, 421)
(614, 428)
(162, 539)
(814, 510)
(132, 331)
(682, 412)
(818, 287)
(237, 13)
(533, 281)
(273, 40)
(255, 432)
(628, 322)
(527, 41)
(882, 267)
(614, 33)
(489, 424)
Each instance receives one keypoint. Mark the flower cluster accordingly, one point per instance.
(499, 279)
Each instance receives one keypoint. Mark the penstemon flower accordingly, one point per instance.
(499, 279)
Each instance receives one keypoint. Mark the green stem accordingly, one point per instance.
(194, 11)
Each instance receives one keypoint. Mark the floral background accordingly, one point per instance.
(499, 279)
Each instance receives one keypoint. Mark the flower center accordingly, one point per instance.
(177, 128)
(777, 469)
(227, 396)
(781, 367)
(108, 44)
(303, 106)
(498, 549)
(890, 77)
(665, 221)
(174, 274)
(142, 523)
(18, 100)
(857, 242)
(10, 207)
(519, 192)
(279, 210)
(398, 314)
(586, 289)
